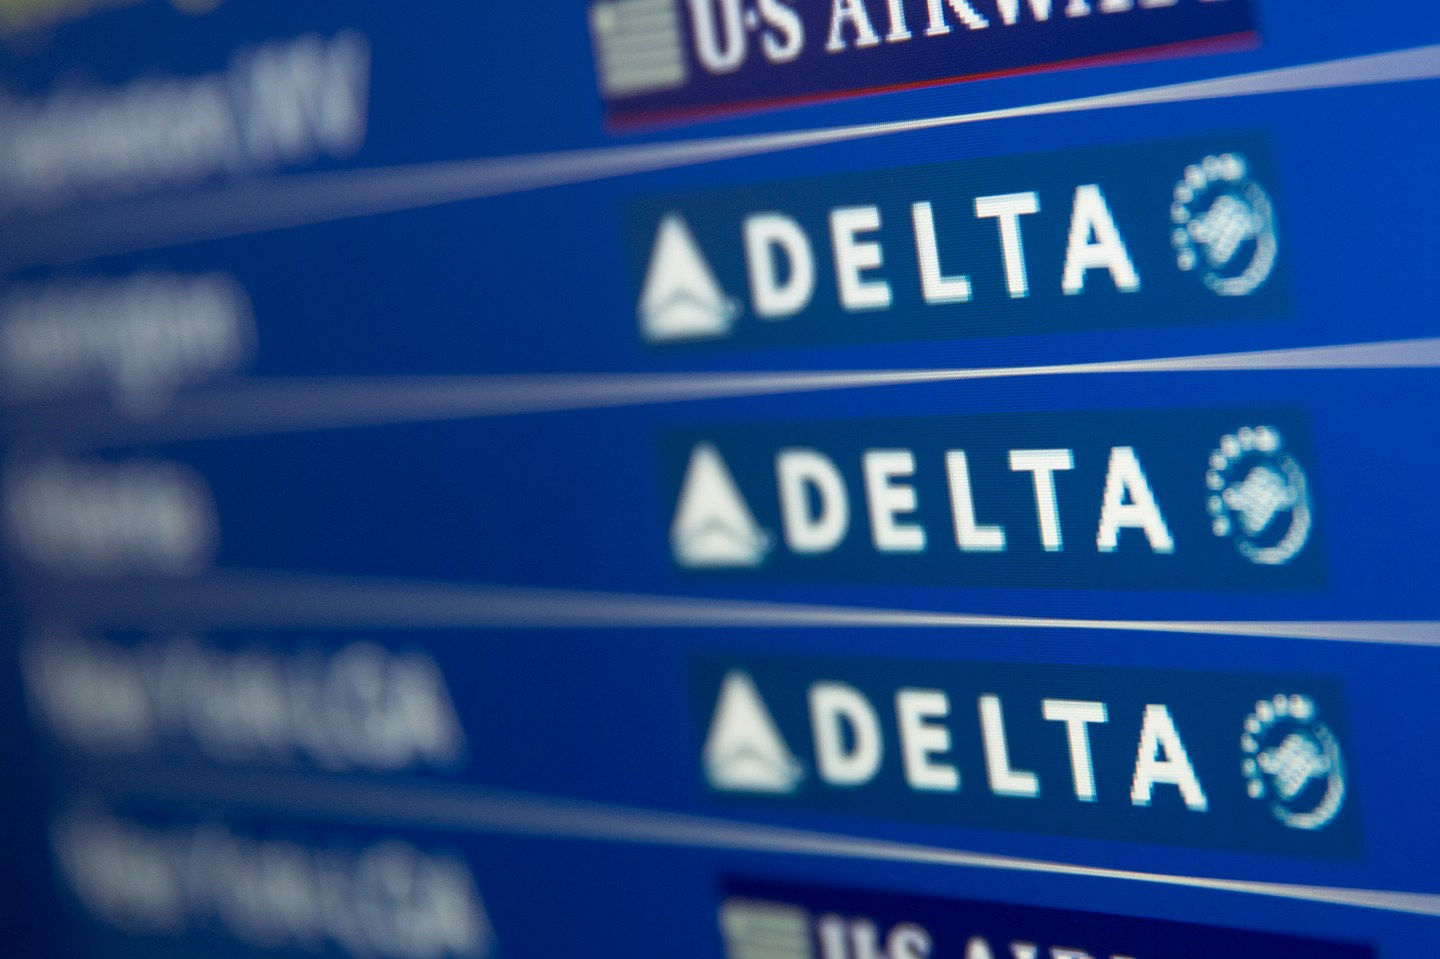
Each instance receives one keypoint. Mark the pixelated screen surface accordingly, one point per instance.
(750, 479)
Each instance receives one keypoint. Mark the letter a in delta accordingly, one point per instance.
(743, 750)
(713, 527)
(682, 300)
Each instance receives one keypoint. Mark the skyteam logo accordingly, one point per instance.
(1109, 753)
(1293, 761)
(1085, 500)
(678, 56)
(1259, 495)
(1224, 225)
(1063, 241)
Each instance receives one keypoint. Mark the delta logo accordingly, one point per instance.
(1150, 234)
(1226, 760)
(1098, 500)
(657, 58)
(780, 920)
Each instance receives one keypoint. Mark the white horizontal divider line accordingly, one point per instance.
(296, 200)
(480, 810)
(250, 600)
(259, 407)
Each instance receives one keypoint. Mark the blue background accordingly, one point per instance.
(541, 282)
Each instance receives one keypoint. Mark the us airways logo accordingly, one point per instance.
(1114, 500)
(1164, 233)
(1246, 762)
(769, 920)
(677, 56)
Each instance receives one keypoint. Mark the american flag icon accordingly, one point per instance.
(638, 46)
(755, 929)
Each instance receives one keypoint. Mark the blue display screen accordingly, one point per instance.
(745, 479)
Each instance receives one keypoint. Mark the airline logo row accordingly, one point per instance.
(1148, 234)
(1215, 760)
(768, 920)
(1159, 499)
(683, 56)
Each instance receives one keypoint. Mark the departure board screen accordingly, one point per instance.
(734, 479)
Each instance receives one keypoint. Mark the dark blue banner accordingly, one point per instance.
(782, 921)
(669, 57)
(1146, 234)
(1112, 500)
(1218, 760)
